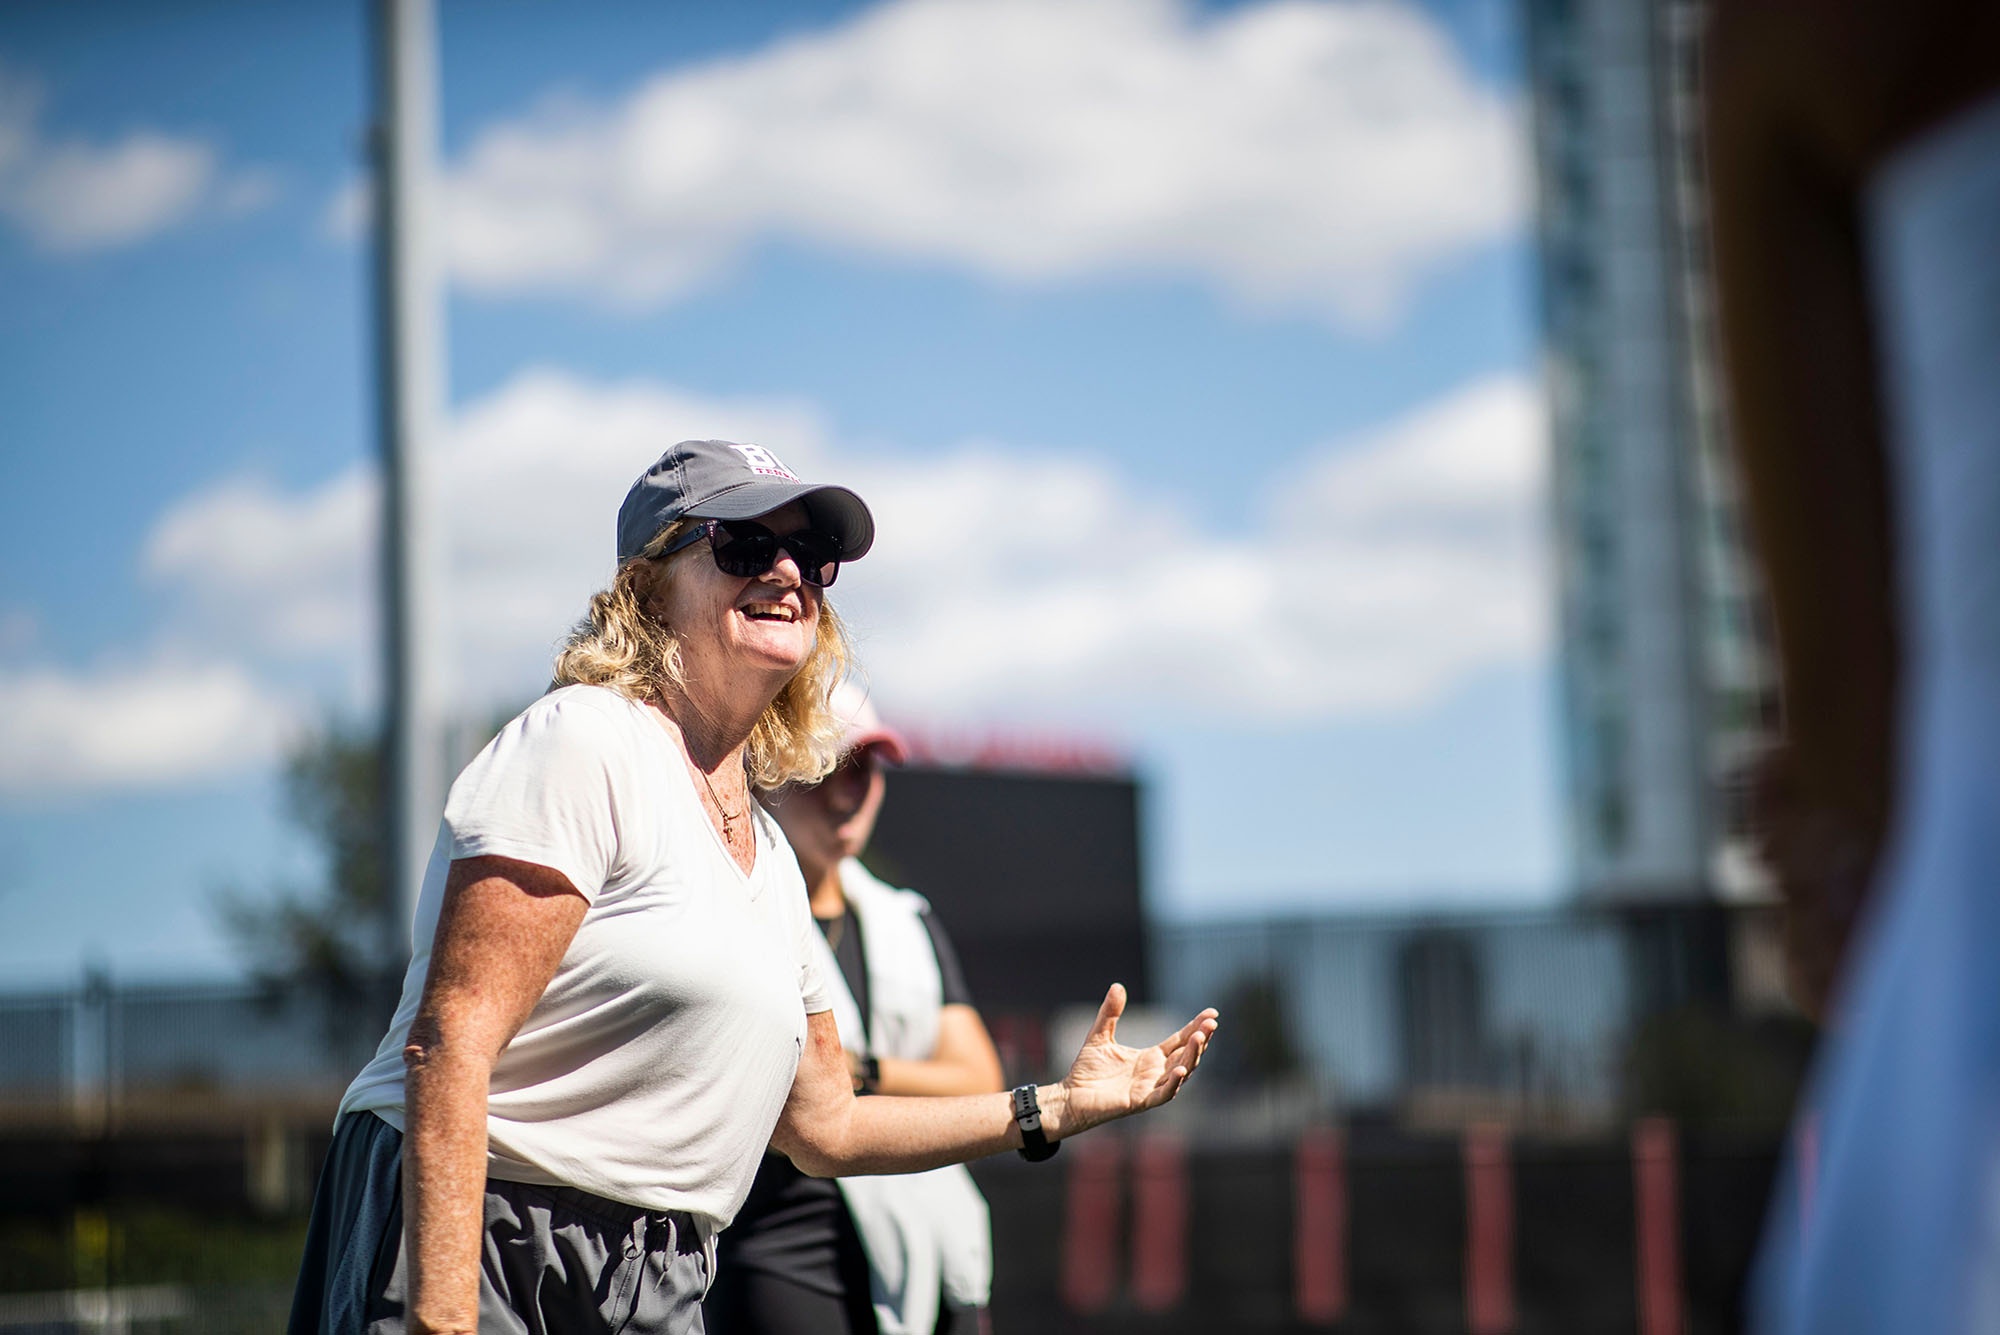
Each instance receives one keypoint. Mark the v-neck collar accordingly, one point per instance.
(681, 764)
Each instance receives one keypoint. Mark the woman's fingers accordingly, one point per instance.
(1105, 1028)
(1190, 1054)
(1180, 1064)
(1183, 1051)
(1169, 1084)
(1203, 1023)
(1102, 1059)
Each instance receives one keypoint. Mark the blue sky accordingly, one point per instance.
(1212, 362)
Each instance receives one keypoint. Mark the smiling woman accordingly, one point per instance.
(613, 1006)
(628, 642)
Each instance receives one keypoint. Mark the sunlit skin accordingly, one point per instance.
(741, 641)
(829, 822)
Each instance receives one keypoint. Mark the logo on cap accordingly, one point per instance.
(763, 461)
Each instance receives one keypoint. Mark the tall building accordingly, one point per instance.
(1666, 669)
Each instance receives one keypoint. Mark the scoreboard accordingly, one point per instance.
(1035, 875)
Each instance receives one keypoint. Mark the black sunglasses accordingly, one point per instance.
(745, 549)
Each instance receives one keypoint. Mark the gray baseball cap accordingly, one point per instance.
(719, 479)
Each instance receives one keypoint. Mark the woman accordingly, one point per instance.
(1854, 158)
(612, 1007)
(895, 1255)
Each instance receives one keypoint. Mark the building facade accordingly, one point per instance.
(1666, 669)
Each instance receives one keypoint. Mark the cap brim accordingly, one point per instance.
(836, 509)
(887, 742)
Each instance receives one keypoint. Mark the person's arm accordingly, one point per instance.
(502, 930)
(962, 1062)
(828, 1132)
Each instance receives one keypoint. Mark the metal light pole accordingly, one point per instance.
(410, 371)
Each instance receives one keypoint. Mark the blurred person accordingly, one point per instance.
(1855, 168)
(898, 1255)
(613, 1003)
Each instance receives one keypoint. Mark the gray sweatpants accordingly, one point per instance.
(555, 1260)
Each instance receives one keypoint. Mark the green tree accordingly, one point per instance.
(1261, 1050)
(325, 941)
(1705, 1067)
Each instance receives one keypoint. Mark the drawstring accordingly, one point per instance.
(653, 1233)
(667, 1234)
(660, 1233)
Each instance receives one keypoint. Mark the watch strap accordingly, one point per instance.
(1035, 1144)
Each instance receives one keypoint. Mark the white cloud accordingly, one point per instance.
(248, 191)
(1006, 584)
(284, 573)
(72, 195)
(1317, 156)
(1384, 572)
(133, 726)
(522, 480)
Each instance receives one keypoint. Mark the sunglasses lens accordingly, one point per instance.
(818, 555)
(745, 549)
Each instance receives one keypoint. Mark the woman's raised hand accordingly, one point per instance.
(1109, 1080)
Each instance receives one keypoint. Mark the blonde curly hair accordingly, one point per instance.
(621, 645)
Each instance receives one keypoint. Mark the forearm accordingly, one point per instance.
(826, 1131)
(503, 929)
(892, 1134)
(444, 1185)
(934, 1078)
(961, 1061)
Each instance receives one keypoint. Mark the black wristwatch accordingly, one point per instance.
(1035, 1146)
(870, 1079)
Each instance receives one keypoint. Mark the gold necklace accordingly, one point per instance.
(729, 818)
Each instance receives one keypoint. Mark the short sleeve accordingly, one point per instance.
(956, 993)
(547, 791)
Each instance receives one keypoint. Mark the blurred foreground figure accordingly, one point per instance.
(904, 1255)
(1855, 159)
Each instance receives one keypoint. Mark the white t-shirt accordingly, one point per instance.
(654, 1067)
